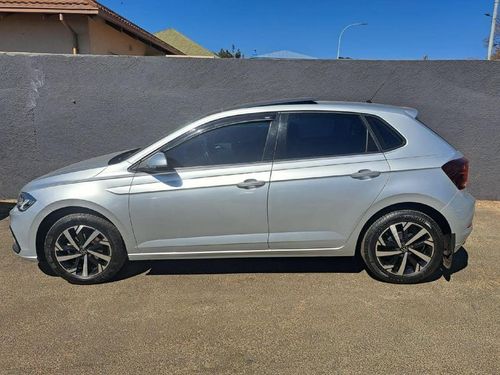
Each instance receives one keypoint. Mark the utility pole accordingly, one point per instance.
(493, 26)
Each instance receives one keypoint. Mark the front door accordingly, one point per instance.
(328, 170)
(213, 198)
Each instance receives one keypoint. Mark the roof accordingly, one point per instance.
(320, 105)
(183, 43)
(356, 107)
(284, 55)
(87, 7)
(54, 5)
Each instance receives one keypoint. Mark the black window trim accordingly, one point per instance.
(398, 134)
(283, 128)
(267, 154)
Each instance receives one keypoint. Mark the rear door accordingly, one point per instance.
(327, 171)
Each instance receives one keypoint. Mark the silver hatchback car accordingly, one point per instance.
(298, 178)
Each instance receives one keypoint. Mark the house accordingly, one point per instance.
(284, 55)
(183, 43)
(74, 26)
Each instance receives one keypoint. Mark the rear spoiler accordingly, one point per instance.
(412, 112)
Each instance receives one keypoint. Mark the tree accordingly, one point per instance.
(496, 42)
(230, 54)
(495, 55)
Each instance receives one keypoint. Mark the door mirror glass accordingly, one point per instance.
(157, 162)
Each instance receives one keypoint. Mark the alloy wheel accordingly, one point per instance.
(83, 251)
(404, 248)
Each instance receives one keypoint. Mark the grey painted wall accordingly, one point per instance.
(55, 110)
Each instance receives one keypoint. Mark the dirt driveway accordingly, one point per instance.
(292, 316)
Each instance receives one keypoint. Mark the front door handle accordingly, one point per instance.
(251, 184)
(365, 174)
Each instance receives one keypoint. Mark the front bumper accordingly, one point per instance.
(21, 224)
(15, 246)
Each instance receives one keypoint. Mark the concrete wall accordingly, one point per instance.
(56, 110)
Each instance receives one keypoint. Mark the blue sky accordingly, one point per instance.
(405, 29)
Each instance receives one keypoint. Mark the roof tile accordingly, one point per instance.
(50, 4)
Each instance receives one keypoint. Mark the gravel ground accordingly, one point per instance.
(270, 316)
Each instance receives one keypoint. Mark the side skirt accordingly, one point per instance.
(330, 252)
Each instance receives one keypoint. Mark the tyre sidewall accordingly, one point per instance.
(370, 239)
(118, 256)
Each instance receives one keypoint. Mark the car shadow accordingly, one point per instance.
(241, 265)
(259, 265)
(460, 262)
(267, 265)
(5, 207)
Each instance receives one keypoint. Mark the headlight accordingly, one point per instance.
(25, 201)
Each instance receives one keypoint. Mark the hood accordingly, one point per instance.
(81, 171)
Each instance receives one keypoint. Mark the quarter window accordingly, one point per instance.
(232, 144)
(311, 135)
(388, 138)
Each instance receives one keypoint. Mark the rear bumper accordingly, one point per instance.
(460, 212)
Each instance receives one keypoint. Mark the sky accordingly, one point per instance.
(396, 30)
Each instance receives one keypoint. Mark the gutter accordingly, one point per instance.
(73, 33)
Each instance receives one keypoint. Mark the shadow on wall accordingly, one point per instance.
(5, 208)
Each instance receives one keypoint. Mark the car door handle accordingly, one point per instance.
(365, 174)
(251, 184)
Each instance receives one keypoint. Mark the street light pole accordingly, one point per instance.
(344, 29)
(492, 31)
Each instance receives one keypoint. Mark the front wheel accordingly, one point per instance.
(404, 246)
(84, 249)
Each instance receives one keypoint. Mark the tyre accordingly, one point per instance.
(403, 247)
(84, 249)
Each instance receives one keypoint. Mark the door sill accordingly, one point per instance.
(243, 254)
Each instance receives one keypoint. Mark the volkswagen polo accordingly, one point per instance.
(296, 178)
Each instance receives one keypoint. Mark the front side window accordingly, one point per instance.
(312, 135)
(232, 144)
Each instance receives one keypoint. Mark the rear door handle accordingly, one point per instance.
(251, 184)
(365, 174)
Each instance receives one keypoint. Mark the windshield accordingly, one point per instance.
(123, 156)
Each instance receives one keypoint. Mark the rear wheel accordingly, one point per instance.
(403, 246)
(84, 249)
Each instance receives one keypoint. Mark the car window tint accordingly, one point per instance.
(325, 134)
(387, 137)
(233, 144)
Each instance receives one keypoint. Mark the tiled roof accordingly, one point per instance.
(81, 5)
(86, 7)
(183, 43)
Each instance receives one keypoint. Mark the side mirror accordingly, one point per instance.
(157, 162)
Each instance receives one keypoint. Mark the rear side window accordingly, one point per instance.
(312, 135)
(388, 138)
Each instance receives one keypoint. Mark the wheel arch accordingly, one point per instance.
(421, 207)
(57, 214)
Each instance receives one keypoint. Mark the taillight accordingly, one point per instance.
(458, 172)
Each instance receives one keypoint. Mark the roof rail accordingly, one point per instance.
(278, 102)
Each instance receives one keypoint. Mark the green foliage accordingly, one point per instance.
(230, 54)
